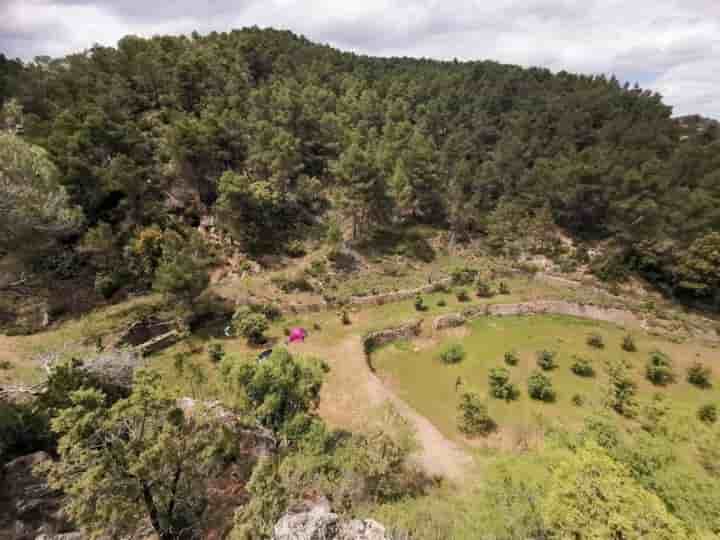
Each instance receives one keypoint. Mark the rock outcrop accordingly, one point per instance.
(29, 508)
(448, 321)
(318, 522)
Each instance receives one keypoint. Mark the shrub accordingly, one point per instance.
(107, 285)
(578, 400)
(317, 268)
(546, 360)
(621, 389)
(699, 375)
(463, 275)
(295, 248)
(503, 288)
(708, 413)
(462, 295)
(344, 317)
(250, 325)
(295, 283)
(540, 387)
(628, 344)
(595, 340)
(420, 303)
(216, 351)
(483, 289)
(5, 364)
(270, 310)
(500, 385)
(473, 418)
(659, 369)
(452, 354)
(512, 358)
(442, 303)
(582, 367)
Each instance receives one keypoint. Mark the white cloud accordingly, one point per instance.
(672, 46)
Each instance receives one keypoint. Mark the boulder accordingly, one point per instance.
(28, 506)
(316, 521)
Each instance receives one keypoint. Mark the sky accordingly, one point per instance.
(670, 46)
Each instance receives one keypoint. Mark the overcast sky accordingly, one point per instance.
(672, 46)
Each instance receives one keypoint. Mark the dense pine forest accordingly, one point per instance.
(274, 134)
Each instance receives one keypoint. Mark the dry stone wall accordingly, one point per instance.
(556, 307)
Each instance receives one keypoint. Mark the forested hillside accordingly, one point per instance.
(275, 135)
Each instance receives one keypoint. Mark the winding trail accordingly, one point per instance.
(362, 391)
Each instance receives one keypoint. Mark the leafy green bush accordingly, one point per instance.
(5, 365)
(659, 369)
(462, 295)
(452, 354)
(271, 311)
(699, 375)
(540, 387)
(628, 343)
(595, 340)
(512, 358)
(582, 367)
(463, 275)
(473, 419)
(708, 413)
(621, 389)
(503, 288)
(442, 303)
(216, 352)
(483, 289)
(293, 283)
(250, 325)
(106, 285)
(500, 385)
(295, 249)
(577, 400)
(546, 360)
(420, 303)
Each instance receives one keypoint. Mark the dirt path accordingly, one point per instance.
(356, 391)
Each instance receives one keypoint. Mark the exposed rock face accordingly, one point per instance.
(29, 508)
(318, 522)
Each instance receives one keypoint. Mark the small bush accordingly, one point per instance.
(107, 285)
(5, 364)
(708, 413)
(250, 325)
(270, 310)
(540, 387)
(582, 367)
(546, 360)
(473, 418)
(420, 303)
(295, 283)
(216, 352)
(578, 400)
(295, 248)
(483, 289)
(344, 317)
(628, 344)
(500, 385)
(452, 354)
(317, 268)
(699, 375)
(503, 288)
(462, 296)
(442, 303)
(658, 369)
(512, 358)
(463, 275)
(595, 340)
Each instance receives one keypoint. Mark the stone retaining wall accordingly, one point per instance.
(556, 307)
(407, 330)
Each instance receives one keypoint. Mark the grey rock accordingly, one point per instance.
(316, 521)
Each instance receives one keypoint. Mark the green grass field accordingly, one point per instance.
(416, 373)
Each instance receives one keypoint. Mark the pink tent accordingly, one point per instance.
(297, 334)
